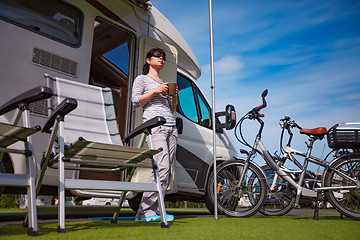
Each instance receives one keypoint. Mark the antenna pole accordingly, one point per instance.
(213, 105)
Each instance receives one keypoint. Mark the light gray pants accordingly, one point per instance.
(165, 137)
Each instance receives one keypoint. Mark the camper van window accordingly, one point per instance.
(192, 103)
(119, 57)
(186, 99)
(205, 111)
(112, 51)
(52, 18)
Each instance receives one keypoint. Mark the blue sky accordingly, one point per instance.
(306, 53)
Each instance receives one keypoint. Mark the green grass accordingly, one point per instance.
(286, 227)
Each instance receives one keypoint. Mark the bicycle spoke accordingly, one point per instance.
(279, 201)
(346, 201)
(239, 199)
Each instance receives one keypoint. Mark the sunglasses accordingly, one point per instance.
(158, 55)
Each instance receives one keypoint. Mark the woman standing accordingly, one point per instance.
(151, 92)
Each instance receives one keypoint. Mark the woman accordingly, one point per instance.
(151, 92)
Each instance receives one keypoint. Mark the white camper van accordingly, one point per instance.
(103, 43)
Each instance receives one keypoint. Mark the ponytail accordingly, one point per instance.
(146, 68)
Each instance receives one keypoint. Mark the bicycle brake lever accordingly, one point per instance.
(243, 151)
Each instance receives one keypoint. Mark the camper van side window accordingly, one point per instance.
(205, 112)
(186, 99)
(192, 103)
(52, 18)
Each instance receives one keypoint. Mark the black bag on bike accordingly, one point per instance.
(344, 135)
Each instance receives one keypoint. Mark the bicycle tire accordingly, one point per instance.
(233, 200)
(280, 201)
(346, 201)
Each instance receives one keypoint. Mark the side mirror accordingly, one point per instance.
(230, 118)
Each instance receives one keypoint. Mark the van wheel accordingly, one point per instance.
(2, 170)
(135, 201)
(208, 197)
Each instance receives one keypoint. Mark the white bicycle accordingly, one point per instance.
(341, 179)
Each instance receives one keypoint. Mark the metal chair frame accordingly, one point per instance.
(114, 156)
(12, 133)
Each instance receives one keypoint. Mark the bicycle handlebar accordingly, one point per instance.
(263, 95)
(254, 113)
(289, 124)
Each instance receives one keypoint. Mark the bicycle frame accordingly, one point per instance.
(283, 173)
(290, 152)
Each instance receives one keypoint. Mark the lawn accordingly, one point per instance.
(257, 227)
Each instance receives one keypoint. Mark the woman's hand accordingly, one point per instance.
(162, 89)
(176, 91)
(174, 100)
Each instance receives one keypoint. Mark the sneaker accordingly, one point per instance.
(169, 218)
(155, 218)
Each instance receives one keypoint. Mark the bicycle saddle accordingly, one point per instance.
(316, 132)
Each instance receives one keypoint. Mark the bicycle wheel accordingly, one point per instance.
(346, 201)
(281, 200)
(234, 199)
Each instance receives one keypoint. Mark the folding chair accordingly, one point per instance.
(12, 133)
(89, 135)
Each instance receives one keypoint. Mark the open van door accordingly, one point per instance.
(167, 74)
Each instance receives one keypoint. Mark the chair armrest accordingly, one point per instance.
(32, 95)
(146, 126)
(65, 107)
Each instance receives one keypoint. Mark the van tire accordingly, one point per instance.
(2, 170)
(6, 167)
(208, 197)
(135, 202)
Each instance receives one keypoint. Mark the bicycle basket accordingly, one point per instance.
(344, 135)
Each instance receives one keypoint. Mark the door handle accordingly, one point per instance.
(179, 125)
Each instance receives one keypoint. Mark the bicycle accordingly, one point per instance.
(341, 179)
(280, 198)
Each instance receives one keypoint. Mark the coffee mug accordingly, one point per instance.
(172, 88)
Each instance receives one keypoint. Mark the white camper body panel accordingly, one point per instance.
(27, 54)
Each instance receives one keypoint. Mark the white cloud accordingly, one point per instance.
(352, 97)
(227, 65)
